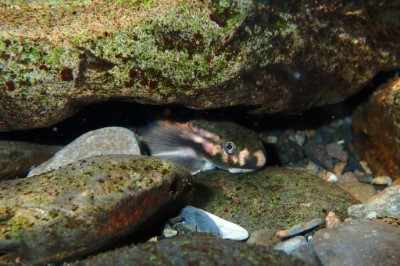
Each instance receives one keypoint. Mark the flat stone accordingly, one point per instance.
(361, 191)
(109, 140)
(366, 178)
(265, 237)
(17, 157)
(384, 204)
(80, 208)
(347, 177)
(358, 242)
(299, 228)
(203, 222)
(288, 246)
(192, 249)
(274, 198)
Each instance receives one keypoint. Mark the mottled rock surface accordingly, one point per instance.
(16, 157)
(377, 130)
(270, 198)
(274, 55)
(360, 191)
(84, 206)
(384, 204)
(108, 140)
(358, 242)
(194, 249)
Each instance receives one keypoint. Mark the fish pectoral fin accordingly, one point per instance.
(185, 157)
(172, 144)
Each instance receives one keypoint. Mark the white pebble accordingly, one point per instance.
(382, 180)
(272, 139)
(331, 177)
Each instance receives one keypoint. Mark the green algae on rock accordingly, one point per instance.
(204, 54)
(81, 207)
(272, 198)
(192, 249)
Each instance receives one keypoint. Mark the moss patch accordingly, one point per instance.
(271, 198)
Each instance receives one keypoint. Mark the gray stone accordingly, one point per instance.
(109, 140)
(82, 207)
(300, 228)
(291, 244)
(199, 218)
(358, 242)
(384, 204)
(318, 154)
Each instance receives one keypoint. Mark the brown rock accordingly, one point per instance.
(273, 55)
(377, 130)
(347, 177)
(16, 157)
(361, 191)
(84, 206)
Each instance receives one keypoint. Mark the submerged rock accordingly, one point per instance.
(384, 204)
(81, 207)
(193, 249)
(208, 222)
(358, 242)
(16, 157)
(108, 140)
(273, 55)
(377, 130)
(270, 198)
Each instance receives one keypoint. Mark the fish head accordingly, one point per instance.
(231, 147)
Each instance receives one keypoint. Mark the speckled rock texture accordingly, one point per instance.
(274, 198)
(273, 55)
(84, 206)
(193, 249)
(377, 130)
(358, 242)
(16, 157)
(108, 140)
(384, 204)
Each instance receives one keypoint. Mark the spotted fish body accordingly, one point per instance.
(200, 145)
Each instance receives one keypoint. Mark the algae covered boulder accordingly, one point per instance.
(272, 55)
(271, 198)
(81, 207)
(193, 249)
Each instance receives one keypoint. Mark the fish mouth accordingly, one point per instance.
(239, 170)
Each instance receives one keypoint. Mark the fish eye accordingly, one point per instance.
(230, 147)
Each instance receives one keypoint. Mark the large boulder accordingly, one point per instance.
(275, 55)
(85, 206)
(377, 130)
(274, 198)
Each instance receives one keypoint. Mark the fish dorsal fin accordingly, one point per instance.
(168, 141)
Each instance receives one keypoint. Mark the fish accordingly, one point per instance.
(200, 145)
